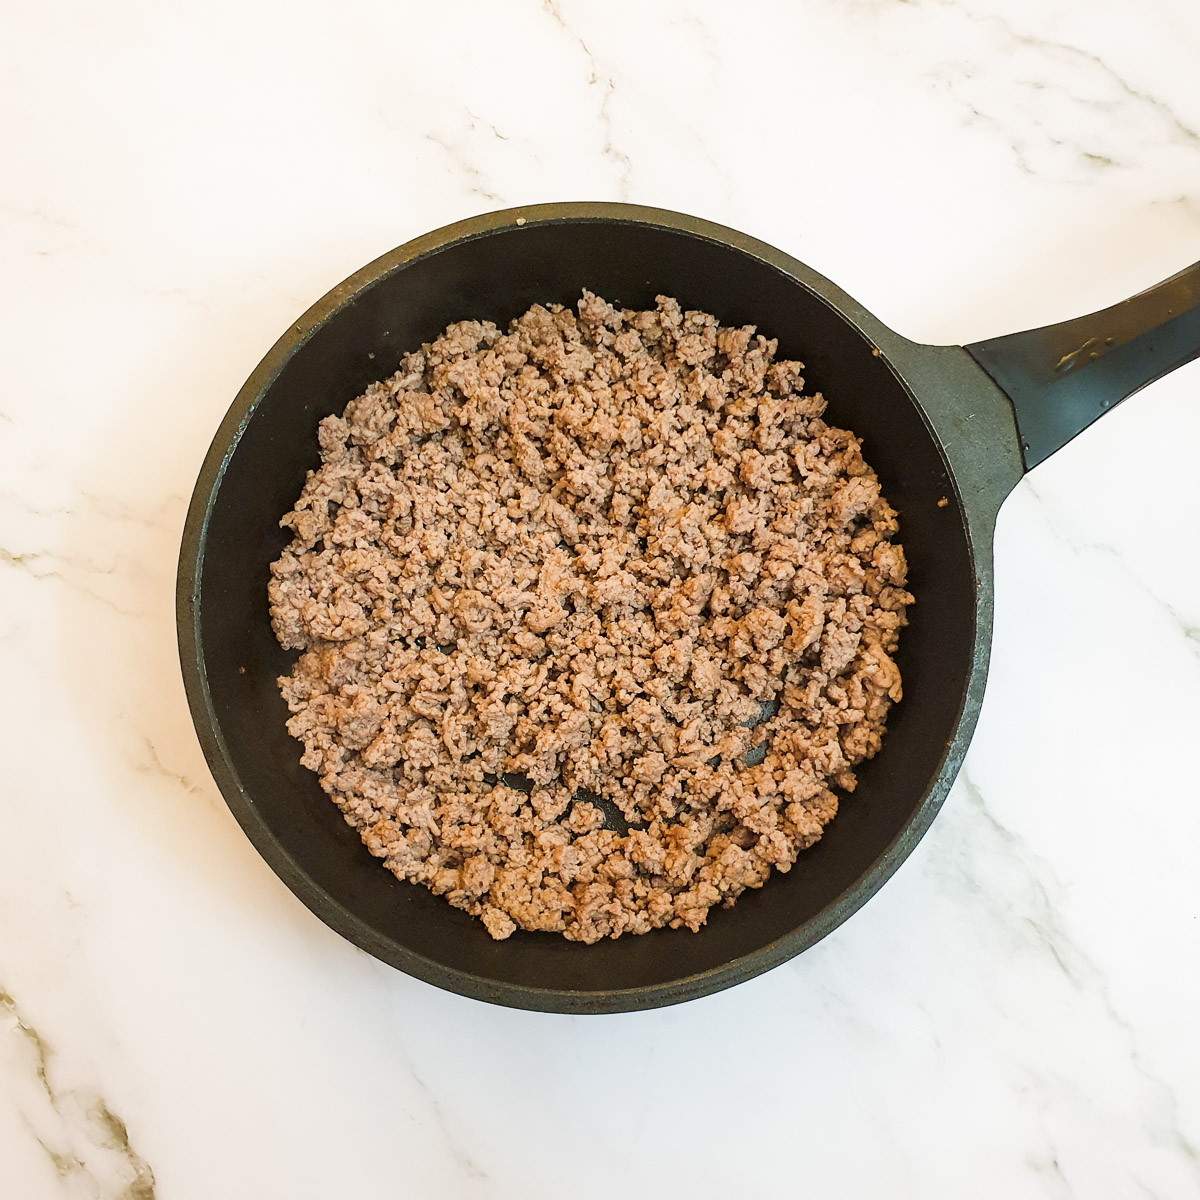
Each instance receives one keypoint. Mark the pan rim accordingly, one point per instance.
(325, 906)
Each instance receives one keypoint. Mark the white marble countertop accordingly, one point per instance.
(1015, 1014)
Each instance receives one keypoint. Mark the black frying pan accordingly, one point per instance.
(940, 424)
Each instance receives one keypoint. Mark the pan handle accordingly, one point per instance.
(1060, 378)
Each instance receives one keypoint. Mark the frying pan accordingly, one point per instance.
(949, 429)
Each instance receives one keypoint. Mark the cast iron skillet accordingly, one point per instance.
(950, 430)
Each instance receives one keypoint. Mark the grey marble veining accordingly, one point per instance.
(1013, 1015)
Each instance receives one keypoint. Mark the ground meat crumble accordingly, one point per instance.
(595, 616)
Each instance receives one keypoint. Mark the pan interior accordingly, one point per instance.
(497, 276)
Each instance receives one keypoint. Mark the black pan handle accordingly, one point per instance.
(1060, 378)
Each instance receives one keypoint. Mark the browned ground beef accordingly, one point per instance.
(586, 553)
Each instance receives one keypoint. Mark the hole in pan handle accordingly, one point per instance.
(1060, 378)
